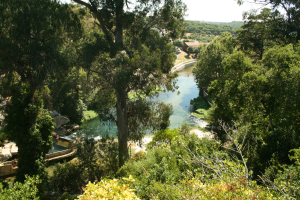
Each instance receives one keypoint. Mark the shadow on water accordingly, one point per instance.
(181, 107)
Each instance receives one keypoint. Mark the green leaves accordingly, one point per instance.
(27, 190)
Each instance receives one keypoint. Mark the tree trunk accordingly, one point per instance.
(122, 124)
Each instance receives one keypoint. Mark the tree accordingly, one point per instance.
(209, 65)
(257, 33)
(190, 50)
(286, 28)
(133, 50)
(33, 41)
(178, 43)
(262, 99)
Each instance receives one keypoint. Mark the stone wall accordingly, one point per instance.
(7, 168)
(59, 153)
(183, 65)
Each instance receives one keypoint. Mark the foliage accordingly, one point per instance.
(286, 28)
(202, 28)
(35, 140)
(67, 177)
(286, 179)
(200, 107)
(190, 167)
(86, 152)
(89, 115)
(178, 43)
(2, 137)
(257, 96)
(33, 38)
(26, 190)
(129, 53)
(144, 94)
(66, 196)
(140, 155)
(257, 34)
(109, 189)
(163, 136)
(209, 65)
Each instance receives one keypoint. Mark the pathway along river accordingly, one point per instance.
(181, 106)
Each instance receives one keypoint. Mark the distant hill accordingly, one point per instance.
(206, 31)
(212, 28)
(233, 24)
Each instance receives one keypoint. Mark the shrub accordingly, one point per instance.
(163, 136)
(89, 115)
(67, 177)
(26, 190)
(109, 189)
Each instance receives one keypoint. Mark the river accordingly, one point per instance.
(181, 106)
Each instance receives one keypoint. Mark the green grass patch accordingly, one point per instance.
(143, 94)
(89, 115)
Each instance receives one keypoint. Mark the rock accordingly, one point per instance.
(75, 127)
(72, 127)
(54, 114)
(60, 120)
(61, 131)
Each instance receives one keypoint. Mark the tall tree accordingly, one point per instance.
(258, 33)
(287, 28)
(133, 50)
(33, 40)
(209, 64)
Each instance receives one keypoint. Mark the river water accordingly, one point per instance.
(180, 100)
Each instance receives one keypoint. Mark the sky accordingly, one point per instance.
(215, 10)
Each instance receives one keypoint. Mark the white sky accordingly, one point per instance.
(215, 10)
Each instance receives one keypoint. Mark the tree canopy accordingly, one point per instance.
(133, 50)
(34, 40)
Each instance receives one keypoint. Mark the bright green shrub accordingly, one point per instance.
(140, 155)
(27, 190)
(88, 115)
(163, 136)
(109, 189)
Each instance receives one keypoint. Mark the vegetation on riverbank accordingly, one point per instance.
(90, 57)
(89, 115)
(201, 107)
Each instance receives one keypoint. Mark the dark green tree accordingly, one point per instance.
(33, 42)
(133, 50)
(209, 64)
(178, 43)
(286, 28)
(257, 33)
(262, 99)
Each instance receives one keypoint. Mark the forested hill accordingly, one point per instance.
(212, 28)
(233, 24)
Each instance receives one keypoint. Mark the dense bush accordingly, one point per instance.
(67, 177)
(26, 190)
(109, 189)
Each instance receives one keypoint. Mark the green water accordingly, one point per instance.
(181, 106)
